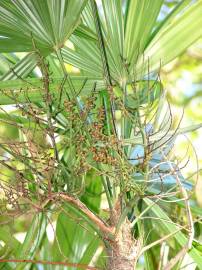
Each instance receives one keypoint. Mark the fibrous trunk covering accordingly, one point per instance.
(123, 250)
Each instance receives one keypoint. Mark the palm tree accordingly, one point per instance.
(81, 139)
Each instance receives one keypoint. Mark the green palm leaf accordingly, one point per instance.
(133, 39)
(22, 68)
(170, 227)
(140, 22)
(48, 24)
(174, 37)
(31, 89)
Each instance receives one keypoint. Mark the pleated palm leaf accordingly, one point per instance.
(119, 47)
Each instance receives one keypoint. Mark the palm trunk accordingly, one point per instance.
(123, 251)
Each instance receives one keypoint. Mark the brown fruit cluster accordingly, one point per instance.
(102, 155)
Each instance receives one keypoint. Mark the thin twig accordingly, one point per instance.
(159, 241)
(78, 265)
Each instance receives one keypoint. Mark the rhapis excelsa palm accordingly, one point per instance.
(95, 151)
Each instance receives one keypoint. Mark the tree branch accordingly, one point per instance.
(82, 207)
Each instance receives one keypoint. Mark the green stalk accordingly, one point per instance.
(101, 43)
(59, 55)
(124, 214)
(107, 193)
(105, 64)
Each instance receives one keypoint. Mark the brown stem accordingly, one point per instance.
(123, 252)
(77, 265)
(79, 205)
(122, 249)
